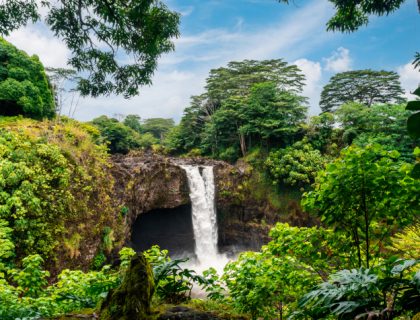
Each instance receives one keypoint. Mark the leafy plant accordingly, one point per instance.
(296, 165)
(380, 293)
(366, 193)
(97, 33)
(173, 282)
(24, 86)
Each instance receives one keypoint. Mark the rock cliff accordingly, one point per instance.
(146, 182)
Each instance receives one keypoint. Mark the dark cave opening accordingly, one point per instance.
(171, 229)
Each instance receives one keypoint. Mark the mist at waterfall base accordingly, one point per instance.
(187, 231)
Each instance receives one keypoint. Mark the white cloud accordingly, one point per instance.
(339, 61)
(313, 73)
(185, 12)
(182, 73)
(37, 40)
(410, 78)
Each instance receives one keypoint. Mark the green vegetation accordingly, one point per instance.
(349, 250)
(55, 188)
(367, 87)
(296, 165)
(365, 193)
(24, 87)
(97, 33)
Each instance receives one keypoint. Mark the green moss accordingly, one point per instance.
(132, 299)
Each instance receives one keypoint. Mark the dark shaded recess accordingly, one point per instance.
(171, 229)
(10, 108)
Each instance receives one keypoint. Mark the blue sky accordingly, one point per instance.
(214, 32)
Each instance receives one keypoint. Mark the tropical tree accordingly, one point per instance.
(133, 121)
(366, 193)
(120, 138)
(238, 77)
(381, 124)
(98, 33)
(367, 87)
(24, 86)
(413, 125)
(158, 127)
(269, 283)
(265, 116)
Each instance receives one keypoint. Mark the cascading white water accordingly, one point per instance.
(203, 213)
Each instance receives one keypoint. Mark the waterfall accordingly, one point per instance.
(204, 216)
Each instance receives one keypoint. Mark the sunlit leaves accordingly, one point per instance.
(114, 44)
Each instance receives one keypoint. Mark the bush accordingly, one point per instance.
(296, 165)
(24, 87)
(55, 188)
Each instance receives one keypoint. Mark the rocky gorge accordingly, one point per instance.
(153, 190)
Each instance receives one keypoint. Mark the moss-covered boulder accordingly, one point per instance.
(131, 300)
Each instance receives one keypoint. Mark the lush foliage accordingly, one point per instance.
(54, 182)
(173, 282)
(379, 293)
(381, 124)
(407, 242)
(363, 86)
(269, 283)
(157, 127)
(246, 104)
(413, 125)
(296, 165)
(121, 137)
(24, 87)
(350, 15)
(366, 193)
(98, 33)
(29, 296)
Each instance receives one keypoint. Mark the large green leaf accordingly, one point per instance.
(413, 125)
(417, 92)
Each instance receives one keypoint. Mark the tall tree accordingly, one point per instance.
(98, 33)
(366, 193)
(133, 121)
(364, 86)
(267, 115)
(230, 88)
(237, 78)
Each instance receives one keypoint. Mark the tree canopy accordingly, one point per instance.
(24, 87)
(98, 34)
(247, 103)
(350, 15)
(364, 86)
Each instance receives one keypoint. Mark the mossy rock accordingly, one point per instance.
(131, 300)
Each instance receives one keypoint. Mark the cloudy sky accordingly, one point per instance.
(214, 32)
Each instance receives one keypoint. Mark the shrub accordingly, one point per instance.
(24, 87)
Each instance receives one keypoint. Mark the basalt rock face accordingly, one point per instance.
(244, 219)
(146, 182)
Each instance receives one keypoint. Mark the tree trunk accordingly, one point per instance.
(242, 142)
(366, 217)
